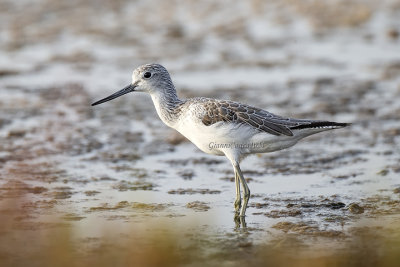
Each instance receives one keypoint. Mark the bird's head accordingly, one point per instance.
(149, 78)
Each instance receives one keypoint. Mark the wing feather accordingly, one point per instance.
(233, 112)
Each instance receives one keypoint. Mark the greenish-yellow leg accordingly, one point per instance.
(238, 200)
(246, 190)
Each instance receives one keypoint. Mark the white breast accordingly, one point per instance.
(220, 138)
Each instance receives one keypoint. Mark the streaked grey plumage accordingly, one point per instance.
(234, 112)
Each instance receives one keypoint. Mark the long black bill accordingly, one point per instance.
(127, 89)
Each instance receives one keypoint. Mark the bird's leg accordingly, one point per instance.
(246, 190)
(238, 200)
(243, 222)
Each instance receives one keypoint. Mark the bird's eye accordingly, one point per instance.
(147, 75)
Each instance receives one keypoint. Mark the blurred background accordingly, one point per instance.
(111, 184)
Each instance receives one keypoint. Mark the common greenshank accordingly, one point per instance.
(221, 127)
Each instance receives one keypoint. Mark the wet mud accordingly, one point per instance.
(113, 185)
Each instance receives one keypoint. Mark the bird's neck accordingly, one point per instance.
(167, 105)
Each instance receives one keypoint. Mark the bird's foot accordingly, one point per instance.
(240, 221)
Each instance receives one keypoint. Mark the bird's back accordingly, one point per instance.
(211, 111)
(216, 126)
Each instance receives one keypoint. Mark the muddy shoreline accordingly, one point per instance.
(113, 185)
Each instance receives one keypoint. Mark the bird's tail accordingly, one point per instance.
(320, 125)
(307, 128)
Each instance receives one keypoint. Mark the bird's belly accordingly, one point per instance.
(200, 136)
(264, 143)
(216, 139)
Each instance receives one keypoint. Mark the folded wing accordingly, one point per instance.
(264, 121)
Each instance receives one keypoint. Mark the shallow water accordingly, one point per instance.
(114, 173)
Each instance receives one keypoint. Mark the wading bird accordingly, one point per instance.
(221, 127)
